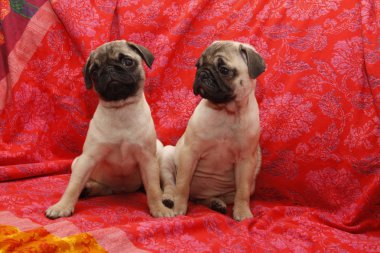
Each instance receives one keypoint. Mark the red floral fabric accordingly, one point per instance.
(319, 99)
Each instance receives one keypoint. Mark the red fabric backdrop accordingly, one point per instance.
(319, 99)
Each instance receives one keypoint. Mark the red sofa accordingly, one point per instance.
(319, 186)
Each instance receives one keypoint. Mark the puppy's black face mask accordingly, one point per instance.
(115, 74)
(213, 82)
(116, 79)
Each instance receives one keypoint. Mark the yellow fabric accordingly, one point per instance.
(40, 240)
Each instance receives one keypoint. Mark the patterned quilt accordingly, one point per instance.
(319, 186)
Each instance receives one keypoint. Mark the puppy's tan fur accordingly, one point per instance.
(217, 159)
(119, 153)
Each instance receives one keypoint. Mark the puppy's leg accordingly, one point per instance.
(187, 163)
(167, 175)
(81, 171)
(245, 175)
(94, 188)
(216, 204)
(150, 175)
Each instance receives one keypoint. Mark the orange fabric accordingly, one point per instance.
(40, 240)
(5, 8)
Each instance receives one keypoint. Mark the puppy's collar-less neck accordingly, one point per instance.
(221, 107)
(233, 107)
(118, 104)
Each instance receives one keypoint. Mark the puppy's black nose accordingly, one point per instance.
(203, 75)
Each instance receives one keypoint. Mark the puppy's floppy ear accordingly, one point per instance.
(198, 63)
(144, 53)
(255, 62)
(86, 73)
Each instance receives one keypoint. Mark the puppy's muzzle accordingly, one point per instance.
(204, 83)
(115, 83)
(209, 87)
(116, 73)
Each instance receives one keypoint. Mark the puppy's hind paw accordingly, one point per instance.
(218, 205)
(58, 211)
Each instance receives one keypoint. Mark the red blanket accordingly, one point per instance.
(319, 99)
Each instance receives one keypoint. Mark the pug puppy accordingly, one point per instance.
(119, 153)
(217, 159)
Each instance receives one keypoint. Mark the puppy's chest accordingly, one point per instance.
(121, 132)
(220, 155)
(123, 141)
(224, 146)
(214, 174)
(231, 138)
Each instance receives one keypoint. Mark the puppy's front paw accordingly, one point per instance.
(180, 206)
(159, 210)
(242, 212)
(58, 210)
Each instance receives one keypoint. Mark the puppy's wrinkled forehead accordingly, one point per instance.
(112, 51)
(226, 50)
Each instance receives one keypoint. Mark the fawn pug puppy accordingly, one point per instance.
(119, 153)
(217, 159)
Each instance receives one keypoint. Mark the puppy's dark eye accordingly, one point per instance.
(127, 61)
(223, 70)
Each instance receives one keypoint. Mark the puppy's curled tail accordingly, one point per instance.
(167, 174)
